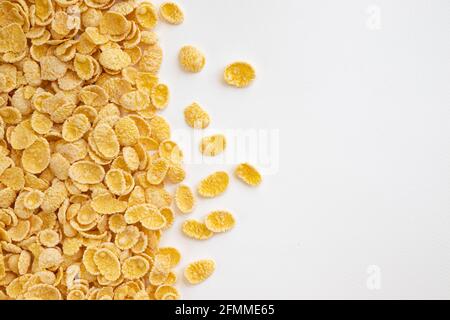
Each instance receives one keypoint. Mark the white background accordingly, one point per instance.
(360, 93)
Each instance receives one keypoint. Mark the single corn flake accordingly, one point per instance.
(49, 238)
(198, 271)
(43, 292)
(220, 221)
(160, 96)
(191, 59)
(157, 171)
(106, 141)
(154, 221)
(184, 199)
(213, 185)
(196, 117)
(167, 292)
(114, 59)
(33, 199)
(196, 230)
(135, 267)
(239, 74)
(36, 157)
(75, 127)
(173, 254)
(108, 264)
(86, 172)
(213, 145)
(115, 181)
(146, 15)
(248, 174)
(171, 13)
(127, 238)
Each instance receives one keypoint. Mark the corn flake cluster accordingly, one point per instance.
(85, 157)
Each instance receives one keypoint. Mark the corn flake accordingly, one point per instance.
(135, 267)
(198, 271)
(213, 145)
(220, 221)
(248, 174)
(160, 96)
(196, 117)
(171, 13)
(213, 185)
(184, 199)
(86, 172)
(108, 264)
(191, 59)
(239, 74)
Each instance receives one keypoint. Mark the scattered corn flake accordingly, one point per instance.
(75, 127)
(33, 199)
(127, 238)
(36, 157)
(248, 174)
(213, 145)
(170, 151)
(167, 292)
(43, 292)
(171, 13)
(108, 264)
(220, 221)
(160, 96)
(146, 15)
(117, 223)
(196, 230)
(86, 172)
(106, 141)
(191, 59)
(13, 178)
(157, 171)
(131, 158)
(52, 68)
(135, 267)
(24, 262)
(176, 174)
(198, 271)
(160, 129)
(115, 181)
(239, 74)
(213, 185)
(173, 254)
(154, 221)
(196, 117)
(184, 199)
(114, 59)
(50, 258)
(126, 131)
(48, 238)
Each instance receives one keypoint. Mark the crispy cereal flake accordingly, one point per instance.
(220, 221)
(191, 59)
(248, 174)
(196, 117)
(239, 74)
(184, 199)
(171, 13)
(198, 271)
(213, 145)
(213, 185)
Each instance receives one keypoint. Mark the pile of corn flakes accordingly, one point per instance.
(85, 156)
